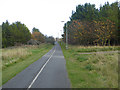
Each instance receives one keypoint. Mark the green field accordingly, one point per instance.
(92, 70)
(14, 60)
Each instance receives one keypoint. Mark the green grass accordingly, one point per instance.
(16, 67)
(91, 70)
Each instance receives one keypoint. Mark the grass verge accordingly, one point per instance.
(20, 63)
(91, 70)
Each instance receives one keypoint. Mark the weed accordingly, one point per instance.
(89, 67)
(82, 58)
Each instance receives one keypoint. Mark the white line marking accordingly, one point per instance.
(40, 71)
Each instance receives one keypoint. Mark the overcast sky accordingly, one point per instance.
(46, 15)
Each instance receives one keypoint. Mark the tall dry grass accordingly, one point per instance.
(93, 48)
(13, 55)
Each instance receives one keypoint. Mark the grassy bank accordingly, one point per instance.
(92, 70)
(17, 59)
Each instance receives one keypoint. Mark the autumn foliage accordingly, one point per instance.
(38, 36)
(91, 33)
(90, 26)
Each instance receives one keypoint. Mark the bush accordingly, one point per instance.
(50, 40)
(33, 42)
(89, 67)
(82, 58)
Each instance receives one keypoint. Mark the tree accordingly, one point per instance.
(14, 33)
(38, 36)
(110, 12)
(105, 31)
(90, 26)
(0, 36)
(35, 30)
(6, 35)
(49, 39)
(85, 12)
(81, 32)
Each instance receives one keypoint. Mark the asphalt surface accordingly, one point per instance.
(52, 75)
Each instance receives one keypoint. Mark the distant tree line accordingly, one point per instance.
(90, 26)
(18, 33)
(37, 35)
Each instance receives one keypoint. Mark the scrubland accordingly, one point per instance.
(89, 68)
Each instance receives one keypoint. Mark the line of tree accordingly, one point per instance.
(17, 34)
(14, 33)
(90, 26)
(37, 35)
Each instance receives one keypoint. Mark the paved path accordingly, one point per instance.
(47, 72)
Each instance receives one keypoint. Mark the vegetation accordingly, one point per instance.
(37, 35)
(84, 71)
(49, 39)
(82, 49)
(35, 30)
(10, 56)
(21, 48)
(91, 31)
(90, 26)
(0, 36)
(0, 50)
(17, 59)
(16, 54)
(18, 34)
(14, 33)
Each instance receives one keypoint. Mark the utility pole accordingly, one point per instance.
(61, 37)
(58, 36)
(61, 33)
(66, 36)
